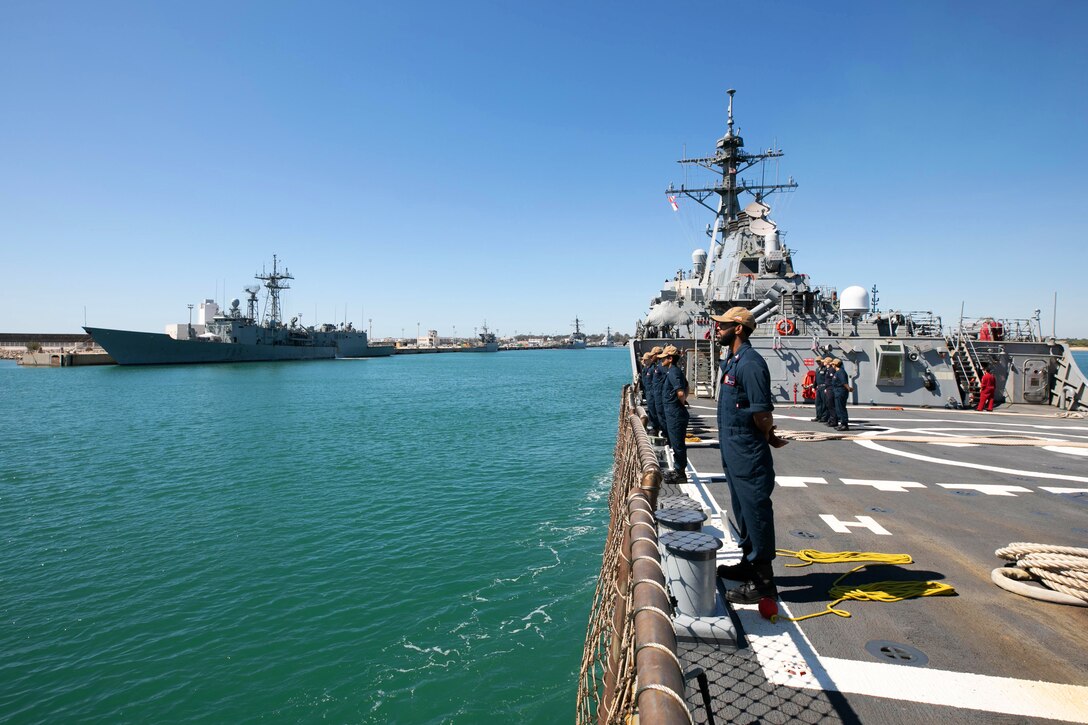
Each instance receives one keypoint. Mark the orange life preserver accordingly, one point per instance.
(785, 326)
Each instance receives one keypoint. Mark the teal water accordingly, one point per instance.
(410, 540)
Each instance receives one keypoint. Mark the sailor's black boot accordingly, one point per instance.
(760, 585)
(740, 572)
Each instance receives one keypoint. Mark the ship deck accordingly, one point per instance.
(984, 655)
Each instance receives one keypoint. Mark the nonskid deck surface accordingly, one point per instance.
(984, 655)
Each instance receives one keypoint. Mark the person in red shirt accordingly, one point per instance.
(986, 389)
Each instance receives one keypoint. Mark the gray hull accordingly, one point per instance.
(150, 348)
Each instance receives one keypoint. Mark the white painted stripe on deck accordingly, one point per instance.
(959, 689)
(1066, 449)
(1057, 489)
(883, 485)
(873, 445)
(990, 489)
(798, 481)
(788, 659)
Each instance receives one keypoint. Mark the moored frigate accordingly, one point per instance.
(235, 335)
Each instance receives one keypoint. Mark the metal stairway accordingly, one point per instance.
(967, 368)
(705, 370)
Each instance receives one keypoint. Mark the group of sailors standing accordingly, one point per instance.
(666, 388)
(832, 389)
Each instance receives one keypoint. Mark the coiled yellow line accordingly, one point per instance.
(885, 591)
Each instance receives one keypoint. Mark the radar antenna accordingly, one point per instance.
(274, 282)
(729, 161)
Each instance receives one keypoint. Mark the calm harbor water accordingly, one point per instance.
(413, 540)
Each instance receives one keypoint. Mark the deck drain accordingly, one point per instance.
(962, 492)
(878, 510)
(900, 654)
(804, 534)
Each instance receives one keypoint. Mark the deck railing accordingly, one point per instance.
(630, 664)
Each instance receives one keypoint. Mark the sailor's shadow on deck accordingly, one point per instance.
(807, 585)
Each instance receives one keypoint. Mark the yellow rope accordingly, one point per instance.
(809, 557)
(885, 591)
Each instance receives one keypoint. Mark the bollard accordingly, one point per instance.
(677, 519)
(690, 571)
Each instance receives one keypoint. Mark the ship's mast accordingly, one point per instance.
(730, 160)
(274, 282)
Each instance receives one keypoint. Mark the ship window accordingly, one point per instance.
(889, 367)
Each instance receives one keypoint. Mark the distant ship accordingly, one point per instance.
(577, 339)
(486, 341)
(234, 336)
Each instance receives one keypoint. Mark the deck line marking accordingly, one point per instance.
(865, 522)
(788, 659)
(873, 445)
(990, 489)
(1058, 489)
(1067, 450)
(883, 485)
(797, 481)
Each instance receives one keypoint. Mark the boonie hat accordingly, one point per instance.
(656, 351)
(669, 351)
(739, 315)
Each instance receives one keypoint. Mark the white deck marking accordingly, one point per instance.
(990, 489)
(1067, 450)
(788, 659)
(798, 481)
(873, 445)
(843, 527)
(1057, 489)
(883, 485)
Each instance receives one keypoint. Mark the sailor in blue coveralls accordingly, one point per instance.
(840, 388)
(821, 374)
(647, 376)
(828, 393)
(656, 386)
(746, 432)
(674, 394)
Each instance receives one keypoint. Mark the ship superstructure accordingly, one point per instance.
(895, 357)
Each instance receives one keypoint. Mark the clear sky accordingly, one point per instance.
(445, 163)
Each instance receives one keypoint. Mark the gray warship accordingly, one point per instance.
(893, 357)
(237, 336)
(945, 568)
(577, 339)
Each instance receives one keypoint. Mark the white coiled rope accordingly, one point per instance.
(1064, 569)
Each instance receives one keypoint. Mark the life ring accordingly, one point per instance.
(785, 326)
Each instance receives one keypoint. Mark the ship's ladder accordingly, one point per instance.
(967, 368)
(705, 369)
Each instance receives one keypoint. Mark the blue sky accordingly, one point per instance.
(446, 163)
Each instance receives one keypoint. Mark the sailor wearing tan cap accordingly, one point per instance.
(649, 360)
(674, 398)
(746, 432)
(656, 382)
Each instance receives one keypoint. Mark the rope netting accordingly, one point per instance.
(627, 631)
